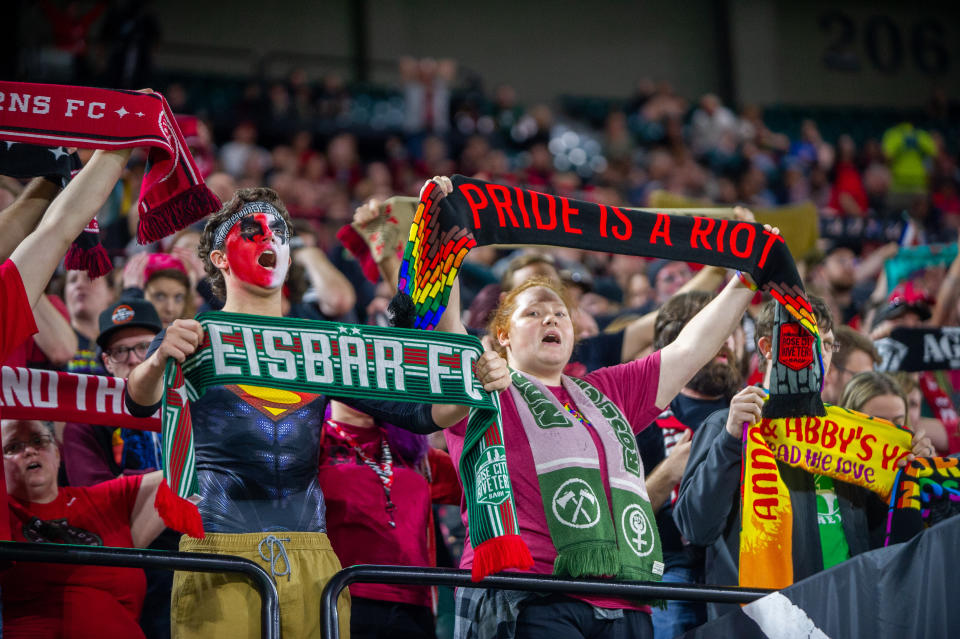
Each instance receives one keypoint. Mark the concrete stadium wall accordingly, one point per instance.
(874, 53)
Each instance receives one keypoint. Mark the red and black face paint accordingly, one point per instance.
(256, 245)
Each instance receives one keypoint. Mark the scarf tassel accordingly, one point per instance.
(178, 513)
(588, 560)
(499, 553)
(176, 213)
(788, 405)
(354, 242)
(94, 260)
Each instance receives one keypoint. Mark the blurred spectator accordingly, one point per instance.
(667, 278)
(711, 122)
(907, 148)
(71, 31)
(242, 153)
(426, 93)
(847, 196)
(131, 32)
(855, 354)
(86, 299)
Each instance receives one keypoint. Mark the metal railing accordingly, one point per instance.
(517, 581)
(140, 558)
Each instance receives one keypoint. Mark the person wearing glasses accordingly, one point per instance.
(832, 520)
(58, 600)
(126, 329)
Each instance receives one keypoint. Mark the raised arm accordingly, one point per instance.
(145, 384)
(336, 295)
(947, 295)
(700, 339)
(20, 218)
(40, 252)
(54, 337)
(638, 334)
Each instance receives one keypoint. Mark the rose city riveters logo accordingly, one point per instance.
(637, 530)
(796, 346)
(493, 483)
(575, 504)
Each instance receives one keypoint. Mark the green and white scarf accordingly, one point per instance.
(592, 538)
(341, 360)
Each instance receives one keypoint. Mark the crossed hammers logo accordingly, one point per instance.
(585, 496)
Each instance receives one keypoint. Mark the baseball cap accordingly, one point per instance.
(162, 262)
(905, 298)
(124, 314)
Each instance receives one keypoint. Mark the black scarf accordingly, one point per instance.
(480, 213)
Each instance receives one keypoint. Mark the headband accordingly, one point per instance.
(220, 235)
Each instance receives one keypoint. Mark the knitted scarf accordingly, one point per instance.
(845, 445)
(912, 259)
(589, 541)
(927, 491)
(929, 351)
(479, 213)
(27, 393)
(798, 223)
(338, 360)
(172, 194)
(920, 349)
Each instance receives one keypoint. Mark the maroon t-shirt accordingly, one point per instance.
(16, 325)
(75, 601)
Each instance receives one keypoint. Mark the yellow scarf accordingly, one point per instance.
(845, 445)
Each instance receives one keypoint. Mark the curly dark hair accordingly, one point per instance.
(241, 197)
(674, 315)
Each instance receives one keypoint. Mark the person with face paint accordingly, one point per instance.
(257, 468)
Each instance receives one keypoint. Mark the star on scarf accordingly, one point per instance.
(121, 112)
(57, 151)
(9, 144)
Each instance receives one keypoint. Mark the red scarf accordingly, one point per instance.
(940, 403)
(172, 195)
(28, 393)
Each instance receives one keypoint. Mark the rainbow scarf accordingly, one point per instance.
(845, 445)
(927, 491)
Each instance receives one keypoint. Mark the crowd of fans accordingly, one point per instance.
(624, 307)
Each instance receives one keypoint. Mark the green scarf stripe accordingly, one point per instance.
(343, 360)
(593, 537)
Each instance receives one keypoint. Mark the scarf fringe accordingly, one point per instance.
(799, 405)
(178, 513)
(94, 260)
(499, 553)
(180, 211)
(593, 559)
(354, 242)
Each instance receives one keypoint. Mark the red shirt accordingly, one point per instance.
(358, 522)
(73, 601)
(16, 325)
(848, 181)
(632, 387)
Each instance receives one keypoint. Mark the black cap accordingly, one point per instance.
(126, 313)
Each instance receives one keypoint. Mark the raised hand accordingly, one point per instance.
(745, 408)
